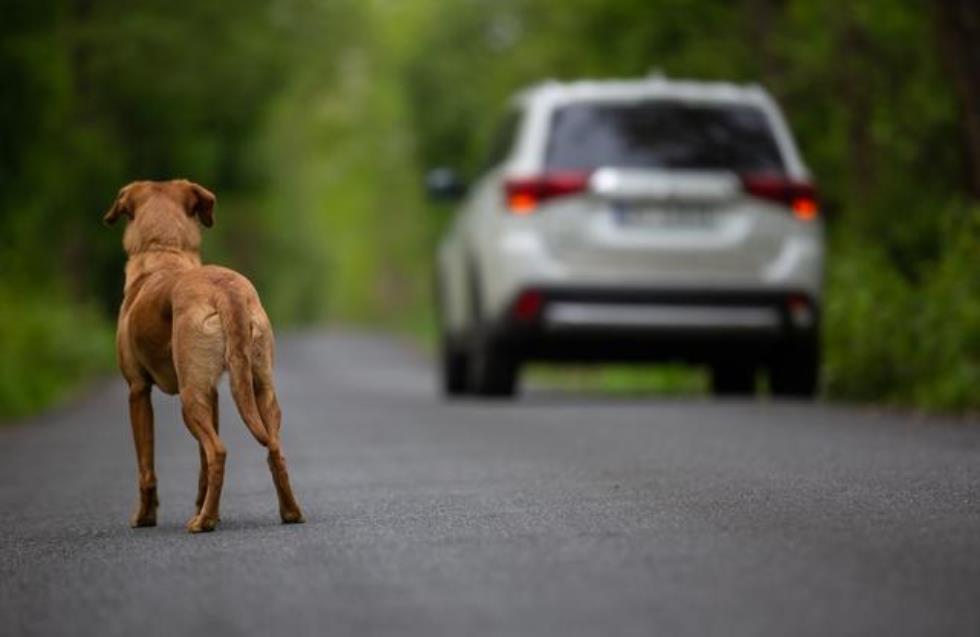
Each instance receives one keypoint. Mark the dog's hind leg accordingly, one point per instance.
(268, 404)
(198, 416)
(141, 418)
(198, 347)
(202, 479)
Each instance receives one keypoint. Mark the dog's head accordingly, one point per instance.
(163, 214)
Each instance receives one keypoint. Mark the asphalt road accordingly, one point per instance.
(557, 515)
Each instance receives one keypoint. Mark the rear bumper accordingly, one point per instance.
(657, 325)
(668, 318)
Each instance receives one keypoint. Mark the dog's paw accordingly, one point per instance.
(140, 519)
(292, 517)
(201, 524)
(197, 508)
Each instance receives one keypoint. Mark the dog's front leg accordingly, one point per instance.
(141, 418)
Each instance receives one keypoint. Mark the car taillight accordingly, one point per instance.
(525, 194)
(798, 196)
(528, 306)
(801, 311)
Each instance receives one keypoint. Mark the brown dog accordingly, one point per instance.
(182, 324)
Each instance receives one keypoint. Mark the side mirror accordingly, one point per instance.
(444, 184)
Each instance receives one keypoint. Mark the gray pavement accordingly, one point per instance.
(556, 515)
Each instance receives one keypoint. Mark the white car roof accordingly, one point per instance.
(643, 88)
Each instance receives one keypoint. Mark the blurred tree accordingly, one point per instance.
(864, 89)
(959, 34)
(314, 119)
(97, 93)
(105, 91)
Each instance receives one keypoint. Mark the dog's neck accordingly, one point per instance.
(142, 265)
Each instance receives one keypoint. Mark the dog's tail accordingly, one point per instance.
(238, 356)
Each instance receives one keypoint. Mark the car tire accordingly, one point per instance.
(493, 371)
(731, 378)
(454, 368)
(453, 362)
(795, 372)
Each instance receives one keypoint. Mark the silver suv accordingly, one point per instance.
(643, 220)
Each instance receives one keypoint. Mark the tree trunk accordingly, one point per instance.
(958, 23)
(760, 17)
(857, 57)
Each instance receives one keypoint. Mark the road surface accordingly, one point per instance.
(557, 515)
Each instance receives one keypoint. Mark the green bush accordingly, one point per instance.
(50, 346)
(910, 341)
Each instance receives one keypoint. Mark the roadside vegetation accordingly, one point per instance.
(314, 120)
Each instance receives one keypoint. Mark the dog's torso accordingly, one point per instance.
(170, 324)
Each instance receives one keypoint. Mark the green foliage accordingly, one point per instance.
(49, 346)
(623, 380)
(314, 120)
(101, 92)
(868, 98)
(912, 343)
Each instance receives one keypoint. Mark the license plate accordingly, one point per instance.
(664, 217)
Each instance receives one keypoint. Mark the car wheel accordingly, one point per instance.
(732, 379)
(454, 367)
(796, 370)
(493, 370)
(453, 363)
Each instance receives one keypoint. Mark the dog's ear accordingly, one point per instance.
(122, 206)
(201, 203)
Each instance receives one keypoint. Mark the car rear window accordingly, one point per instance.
(662, 134)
